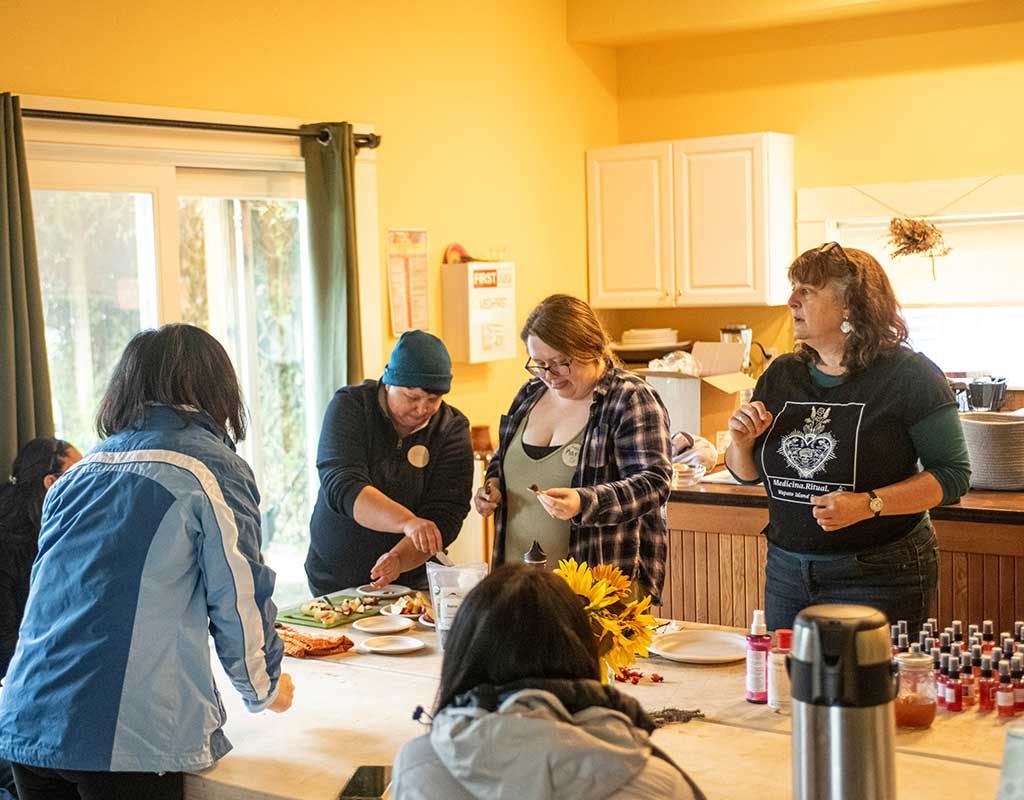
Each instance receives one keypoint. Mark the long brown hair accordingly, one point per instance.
(176, 365)
(570, 326)
(859, 283)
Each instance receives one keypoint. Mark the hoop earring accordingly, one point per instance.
(846, 327)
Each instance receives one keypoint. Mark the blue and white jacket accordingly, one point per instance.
(148, 545)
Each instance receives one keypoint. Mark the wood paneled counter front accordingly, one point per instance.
(717, 555)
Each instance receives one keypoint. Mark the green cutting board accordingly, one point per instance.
(294, 616)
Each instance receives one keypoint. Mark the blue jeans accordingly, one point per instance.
(898, 579)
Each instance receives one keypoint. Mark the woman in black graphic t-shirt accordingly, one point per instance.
(855, 436)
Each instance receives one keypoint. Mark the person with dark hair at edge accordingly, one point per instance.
(36, 468)
(148, 546)
(396, 473)
(594, 441)
(855, 437)
(521, 713)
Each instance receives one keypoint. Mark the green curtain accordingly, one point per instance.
(330, 198)
(25, 407)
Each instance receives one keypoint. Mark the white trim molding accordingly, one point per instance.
(111, 144)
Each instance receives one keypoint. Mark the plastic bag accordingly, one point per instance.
(448, 588)
(677, 361)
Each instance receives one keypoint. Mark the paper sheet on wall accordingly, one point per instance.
(407, 279)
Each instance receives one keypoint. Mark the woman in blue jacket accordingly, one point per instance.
(147, 545)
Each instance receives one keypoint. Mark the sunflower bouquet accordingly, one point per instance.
(622, 626)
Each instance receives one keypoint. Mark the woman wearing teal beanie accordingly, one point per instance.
(396, 473)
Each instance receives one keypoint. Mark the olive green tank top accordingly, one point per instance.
(526, 519)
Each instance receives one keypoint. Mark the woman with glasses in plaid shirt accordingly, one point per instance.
(583, 462)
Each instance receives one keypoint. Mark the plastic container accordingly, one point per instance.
(684, 475)
(915, 698)
(448, 588)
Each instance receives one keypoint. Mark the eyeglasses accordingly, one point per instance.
(55, 466)
(556, 369)
(831, 247)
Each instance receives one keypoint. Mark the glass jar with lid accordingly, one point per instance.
(915, 697)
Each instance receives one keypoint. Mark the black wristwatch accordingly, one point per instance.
(875, 503)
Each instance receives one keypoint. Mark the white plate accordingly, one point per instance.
(382, 624)
(423, 621)
(389, 611)
(640, 348)
(390, 645)
(700, 646)
(389, 592)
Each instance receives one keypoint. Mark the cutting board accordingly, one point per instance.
(292, 615)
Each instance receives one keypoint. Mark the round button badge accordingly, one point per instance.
(571, 455)
(418, 456)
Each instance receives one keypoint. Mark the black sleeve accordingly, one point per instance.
(925, 389)
(342, 457)
(450, 484)
(10, 614)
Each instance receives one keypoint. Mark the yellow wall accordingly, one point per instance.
(896, 98)
(485, 109)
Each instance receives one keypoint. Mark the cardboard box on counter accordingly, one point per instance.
(704, 404)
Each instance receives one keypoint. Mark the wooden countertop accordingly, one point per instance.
(975, 506)
(355, 709)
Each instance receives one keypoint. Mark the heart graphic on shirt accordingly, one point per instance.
(808, 452)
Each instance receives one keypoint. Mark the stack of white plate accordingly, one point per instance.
(649, 337)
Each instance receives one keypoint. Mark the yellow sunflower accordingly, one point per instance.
(614, 576)
(623, 630)
(579, 576)
(596, 594)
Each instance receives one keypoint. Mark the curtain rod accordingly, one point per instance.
(369, 140)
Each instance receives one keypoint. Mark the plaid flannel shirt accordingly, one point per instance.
(623, 477)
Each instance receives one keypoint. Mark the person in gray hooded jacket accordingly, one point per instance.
(521, 712)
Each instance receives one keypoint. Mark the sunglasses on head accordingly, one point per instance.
(834, 247)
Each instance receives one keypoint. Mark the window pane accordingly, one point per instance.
(95, 249)
(241, 273)
(272, 236)
(192, 247)
(963, 314)
(982, 265)
(976, 340)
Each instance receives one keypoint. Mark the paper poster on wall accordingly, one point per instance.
(492, 308)
(407, 279)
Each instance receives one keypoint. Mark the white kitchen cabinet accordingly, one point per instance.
(729, 216)
(629, 209)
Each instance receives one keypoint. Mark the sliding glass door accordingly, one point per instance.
(242, 275)
(125, 247)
